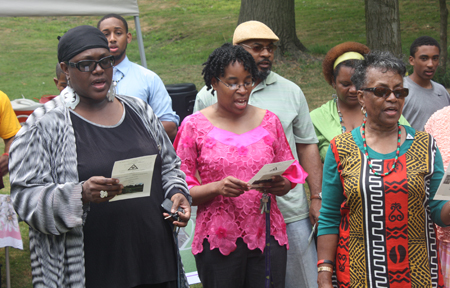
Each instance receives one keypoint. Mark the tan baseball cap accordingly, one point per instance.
(253, 30)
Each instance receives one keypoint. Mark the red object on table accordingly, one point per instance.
(46, 98)
(23, 108)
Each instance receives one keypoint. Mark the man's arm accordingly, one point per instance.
(4, 159)
(161, 103)
(171, 129)
(309, 158)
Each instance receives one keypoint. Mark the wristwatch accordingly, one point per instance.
(316, 196)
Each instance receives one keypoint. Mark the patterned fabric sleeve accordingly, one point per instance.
(332, 195)
(45, 203)
(186, 148)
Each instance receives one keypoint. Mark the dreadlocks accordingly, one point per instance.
(222, 57)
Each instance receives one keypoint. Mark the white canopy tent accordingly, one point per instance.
(34, 8)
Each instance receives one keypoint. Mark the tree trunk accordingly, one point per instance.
(383, 26)
(443, 34)
(279, 15)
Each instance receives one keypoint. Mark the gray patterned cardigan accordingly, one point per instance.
(46, 192)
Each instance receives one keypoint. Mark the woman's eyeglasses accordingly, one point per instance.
(234, 87)
(90, 65)
(385, 92)
(259, 48)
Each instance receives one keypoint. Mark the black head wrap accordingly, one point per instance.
(79, 39)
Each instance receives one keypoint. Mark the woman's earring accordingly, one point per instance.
(111, 92)
(364, 112)
(70, 97)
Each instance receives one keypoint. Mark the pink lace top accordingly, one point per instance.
(438, 126)
(216, 154)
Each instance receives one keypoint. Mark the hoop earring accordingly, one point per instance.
(111, 92)
(70, 97)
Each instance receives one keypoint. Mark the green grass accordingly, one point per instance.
(178, 37)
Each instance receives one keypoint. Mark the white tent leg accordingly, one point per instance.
(140, 41)
(8, 275)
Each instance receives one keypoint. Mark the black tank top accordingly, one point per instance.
(128, 242)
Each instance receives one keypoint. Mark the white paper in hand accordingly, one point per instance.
(269, 170)
(135, 175)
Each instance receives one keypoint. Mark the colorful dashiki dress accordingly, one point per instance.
(386, 233)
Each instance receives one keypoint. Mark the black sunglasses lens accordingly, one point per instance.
(105, 62)
(381, 91)
(401, 93)
(86, 65)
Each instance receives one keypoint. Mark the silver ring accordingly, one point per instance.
(103, 194)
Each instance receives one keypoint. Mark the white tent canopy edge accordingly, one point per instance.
(33, 8)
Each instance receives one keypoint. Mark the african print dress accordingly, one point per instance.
(386, 233)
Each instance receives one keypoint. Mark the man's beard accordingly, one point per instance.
(119, 57)
(263, 73)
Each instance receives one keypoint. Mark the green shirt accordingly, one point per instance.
(327, 125)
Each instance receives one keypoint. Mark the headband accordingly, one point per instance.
(79, 39)
(347, 56)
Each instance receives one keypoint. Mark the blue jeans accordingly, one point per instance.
(301, 268)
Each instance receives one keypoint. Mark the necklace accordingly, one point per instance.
(341, 118)
(363, 132)
(116, 82)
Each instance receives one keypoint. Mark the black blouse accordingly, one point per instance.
(128, 242)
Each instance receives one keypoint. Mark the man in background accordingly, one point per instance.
(425, 96)
(60, 79)
(9, 126)
(286, 100)
(133, 79)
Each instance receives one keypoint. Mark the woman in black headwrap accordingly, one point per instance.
(60, 169)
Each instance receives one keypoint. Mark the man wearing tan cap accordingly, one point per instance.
(286, 100)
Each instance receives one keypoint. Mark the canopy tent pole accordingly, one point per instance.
(140, 41)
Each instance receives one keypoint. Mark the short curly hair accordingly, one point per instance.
(423, 41)
(329, 73)
(223, 56)
(382, 60)
(113, 15)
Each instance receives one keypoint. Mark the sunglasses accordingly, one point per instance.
(91, 65)
(259, 48)
(385, 92)
(234, 87)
